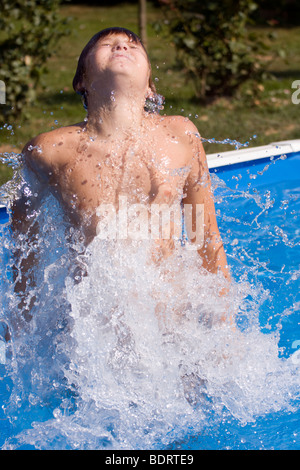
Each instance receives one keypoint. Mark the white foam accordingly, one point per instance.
(123, 353)
(2, 352)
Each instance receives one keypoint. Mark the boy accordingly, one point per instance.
(122, 150)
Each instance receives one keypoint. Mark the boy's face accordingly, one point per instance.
(117, 55)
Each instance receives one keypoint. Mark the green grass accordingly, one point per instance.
(271, 117)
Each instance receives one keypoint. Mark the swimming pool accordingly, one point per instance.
(259, 219)
(257, 201)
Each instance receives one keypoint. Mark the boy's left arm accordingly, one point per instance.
(198, 191)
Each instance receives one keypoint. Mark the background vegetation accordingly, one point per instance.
(262, 108)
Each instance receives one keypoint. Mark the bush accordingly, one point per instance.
(213, 46)
(28, 31)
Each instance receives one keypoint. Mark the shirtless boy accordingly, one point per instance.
(121, 149)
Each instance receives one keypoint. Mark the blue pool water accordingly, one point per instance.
(259, 220)
(250, 400)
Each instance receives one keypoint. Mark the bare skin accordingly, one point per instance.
(122, 150)
(157, 164)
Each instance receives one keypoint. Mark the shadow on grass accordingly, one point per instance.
(292, 74)
(58, 98)
(179, 102)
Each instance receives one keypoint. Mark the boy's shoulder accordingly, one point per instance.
(179, 125)
(46, 147)
(56, 137)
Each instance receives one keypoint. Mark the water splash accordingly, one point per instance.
(9, 191)
(238, 145)
(121, 354)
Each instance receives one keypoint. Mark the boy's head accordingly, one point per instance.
(81, 67)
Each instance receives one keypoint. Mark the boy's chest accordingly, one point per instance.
(141, 170)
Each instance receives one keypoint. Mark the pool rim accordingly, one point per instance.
(242, 157)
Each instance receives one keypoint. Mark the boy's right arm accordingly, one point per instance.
(34, 187)
(23, 223)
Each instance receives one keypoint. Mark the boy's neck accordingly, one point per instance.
(117, 114)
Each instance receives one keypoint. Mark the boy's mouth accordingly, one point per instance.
(121, 54)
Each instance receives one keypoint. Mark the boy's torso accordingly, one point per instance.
(149, 167)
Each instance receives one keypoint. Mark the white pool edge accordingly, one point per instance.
(220, 159)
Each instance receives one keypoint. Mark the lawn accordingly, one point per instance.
(271, 116)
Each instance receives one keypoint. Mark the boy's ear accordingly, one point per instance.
(81, 86)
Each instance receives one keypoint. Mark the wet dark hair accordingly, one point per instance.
(153, 104)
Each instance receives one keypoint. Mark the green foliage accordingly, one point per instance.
(214, 48)
(28, 31)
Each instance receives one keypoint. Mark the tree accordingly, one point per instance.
(29, 30)
(213, 45)
(143, 21)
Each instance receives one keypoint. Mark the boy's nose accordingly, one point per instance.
(120, 46)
